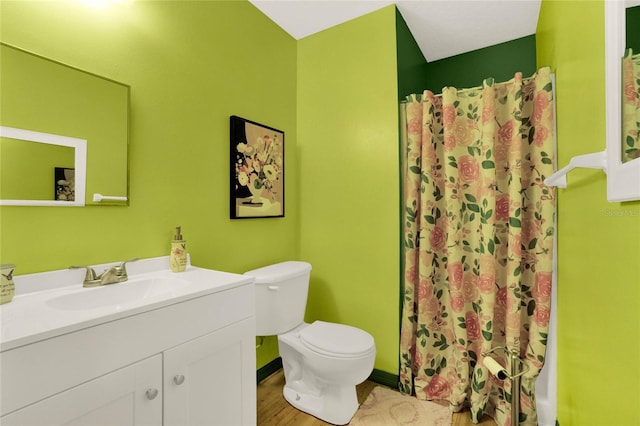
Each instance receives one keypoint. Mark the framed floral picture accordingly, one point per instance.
(257, 170)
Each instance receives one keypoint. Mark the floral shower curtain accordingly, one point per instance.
(631, 106)
(478, 238)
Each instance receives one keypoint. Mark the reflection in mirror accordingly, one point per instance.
(35, 182)
(45, 96)
(630, 106)
(623, 178)
(55, 174)
(631, 87)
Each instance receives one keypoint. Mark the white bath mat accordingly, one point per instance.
(387, 407)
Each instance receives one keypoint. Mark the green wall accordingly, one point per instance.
(598, 242)
(348, 153)
(190, 65)
(632, 25)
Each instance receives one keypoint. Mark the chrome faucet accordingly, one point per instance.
(111, 275)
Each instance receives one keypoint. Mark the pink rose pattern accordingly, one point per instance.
(478, 240)
(630, 106)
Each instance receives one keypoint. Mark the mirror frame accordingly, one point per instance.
(623, 179)
(80, 164)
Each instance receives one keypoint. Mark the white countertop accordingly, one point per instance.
(36, 312)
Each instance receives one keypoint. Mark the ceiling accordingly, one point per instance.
(442, 28)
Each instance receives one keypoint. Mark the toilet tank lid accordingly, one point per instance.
(279, 272)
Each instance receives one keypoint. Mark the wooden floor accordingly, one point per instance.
(274, 410)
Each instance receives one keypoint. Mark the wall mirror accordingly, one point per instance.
(623, 176)
(47, 111)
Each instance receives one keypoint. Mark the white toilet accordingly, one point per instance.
(323, 362)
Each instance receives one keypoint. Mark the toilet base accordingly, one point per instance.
(336, 404)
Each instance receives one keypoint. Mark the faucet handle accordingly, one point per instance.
(121, 270)
(90, 274)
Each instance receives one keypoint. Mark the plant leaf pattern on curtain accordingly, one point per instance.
(478, 238)
(630, 106)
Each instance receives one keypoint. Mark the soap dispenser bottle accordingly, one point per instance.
(178, 256)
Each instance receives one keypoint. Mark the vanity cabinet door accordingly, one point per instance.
(128, 396)
(211, 380)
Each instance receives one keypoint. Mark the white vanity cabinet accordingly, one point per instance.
(191, 362)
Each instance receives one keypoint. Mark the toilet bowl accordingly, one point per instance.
(323, 361)
(322, 367)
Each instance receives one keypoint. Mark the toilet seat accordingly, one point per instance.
(337, 340)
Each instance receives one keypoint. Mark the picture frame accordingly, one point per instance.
(64, 184)
(257, 170)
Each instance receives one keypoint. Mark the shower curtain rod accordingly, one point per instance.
(493, 83)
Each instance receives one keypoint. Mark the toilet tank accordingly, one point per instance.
(281, 296)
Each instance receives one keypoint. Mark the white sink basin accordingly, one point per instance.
(120, 294)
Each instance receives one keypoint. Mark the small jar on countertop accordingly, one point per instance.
(7, 288)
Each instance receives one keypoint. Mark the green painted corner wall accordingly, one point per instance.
(349, 188)
(190, 65)
(598, 242)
